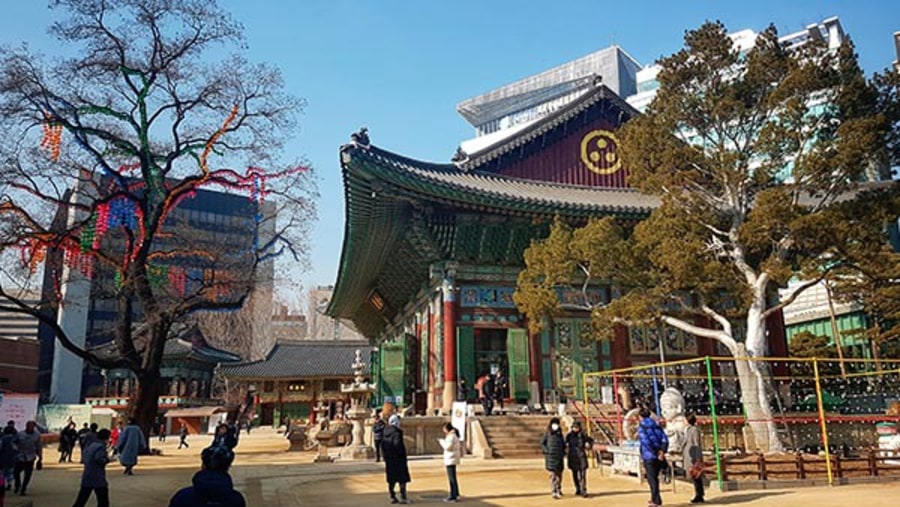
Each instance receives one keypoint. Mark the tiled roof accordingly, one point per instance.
(185, 340)
(303, 359)
(489, 189)
(546, 124)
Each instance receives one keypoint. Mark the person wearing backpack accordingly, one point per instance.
(211, 485)
(654, 445)
(93, 479)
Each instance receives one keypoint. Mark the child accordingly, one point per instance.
(554, 447)
(94, 476)
(452, 451)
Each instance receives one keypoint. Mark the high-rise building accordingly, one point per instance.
(224, 223)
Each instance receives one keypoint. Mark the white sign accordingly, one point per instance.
(20, 408)
(606, 395)
(458, 418)
(55, 417)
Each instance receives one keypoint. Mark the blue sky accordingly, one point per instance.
(400, 68)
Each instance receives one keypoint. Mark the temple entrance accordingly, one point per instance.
(489, 350)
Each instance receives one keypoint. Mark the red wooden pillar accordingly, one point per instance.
(449, 315)
(620, 356)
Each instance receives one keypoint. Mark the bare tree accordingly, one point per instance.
(111, 142)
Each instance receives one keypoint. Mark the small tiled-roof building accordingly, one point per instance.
(297, 376)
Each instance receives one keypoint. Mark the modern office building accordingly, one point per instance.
(223, 222)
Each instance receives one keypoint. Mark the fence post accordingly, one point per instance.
(720, 473)
(587, 404)
(873, 463)
(822, 422)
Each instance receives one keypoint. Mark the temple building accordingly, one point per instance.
(431, 252)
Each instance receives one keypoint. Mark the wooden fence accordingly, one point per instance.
(872, 463)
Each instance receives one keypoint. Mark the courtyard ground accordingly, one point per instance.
(271, 477)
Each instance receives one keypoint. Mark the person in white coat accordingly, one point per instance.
(452, 454)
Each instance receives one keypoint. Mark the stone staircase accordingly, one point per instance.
(515, 436)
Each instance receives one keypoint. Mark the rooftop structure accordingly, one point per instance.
(536, 96)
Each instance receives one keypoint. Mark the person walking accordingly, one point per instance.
(90, 437)
(8, 452)
(114, 437)
(67, 438)
(452, 454)
(489, 394)
(501, 388)
(578, 445)
(211, 485)
(30, 451)
(654, 445)
(161, 431)
(377, 435)
(693, 456)
(93, 479)
(182, 437)
(396, 468)
(131, 443)
(554, 447)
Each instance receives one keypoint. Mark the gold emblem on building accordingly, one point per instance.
(600, 152)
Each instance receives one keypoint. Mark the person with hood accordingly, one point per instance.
(93, 479)
(131, 443)
(396, 468)
(31, 450)
(452, 454)
(211, 485)
(693, 456)
(577, 447)
(554, 447)
(378, 435)
(654, 445)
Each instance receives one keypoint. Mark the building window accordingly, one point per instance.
(268, 386)
(331, 385)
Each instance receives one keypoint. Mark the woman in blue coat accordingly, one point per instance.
(131, 443)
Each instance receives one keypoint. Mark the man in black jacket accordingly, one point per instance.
(378, 435)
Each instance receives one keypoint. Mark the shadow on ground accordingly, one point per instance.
(743, 498)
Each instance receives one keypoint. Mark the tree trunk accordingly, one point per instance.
(760, 423)
(146, 401)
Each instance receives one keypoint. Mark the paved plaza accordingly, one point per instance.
(271, 477)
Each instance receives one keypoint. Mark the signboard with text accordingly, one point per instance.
(19, 408)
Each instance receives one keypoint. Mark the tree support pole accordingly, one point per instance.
(715, 421)
(824, 426)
